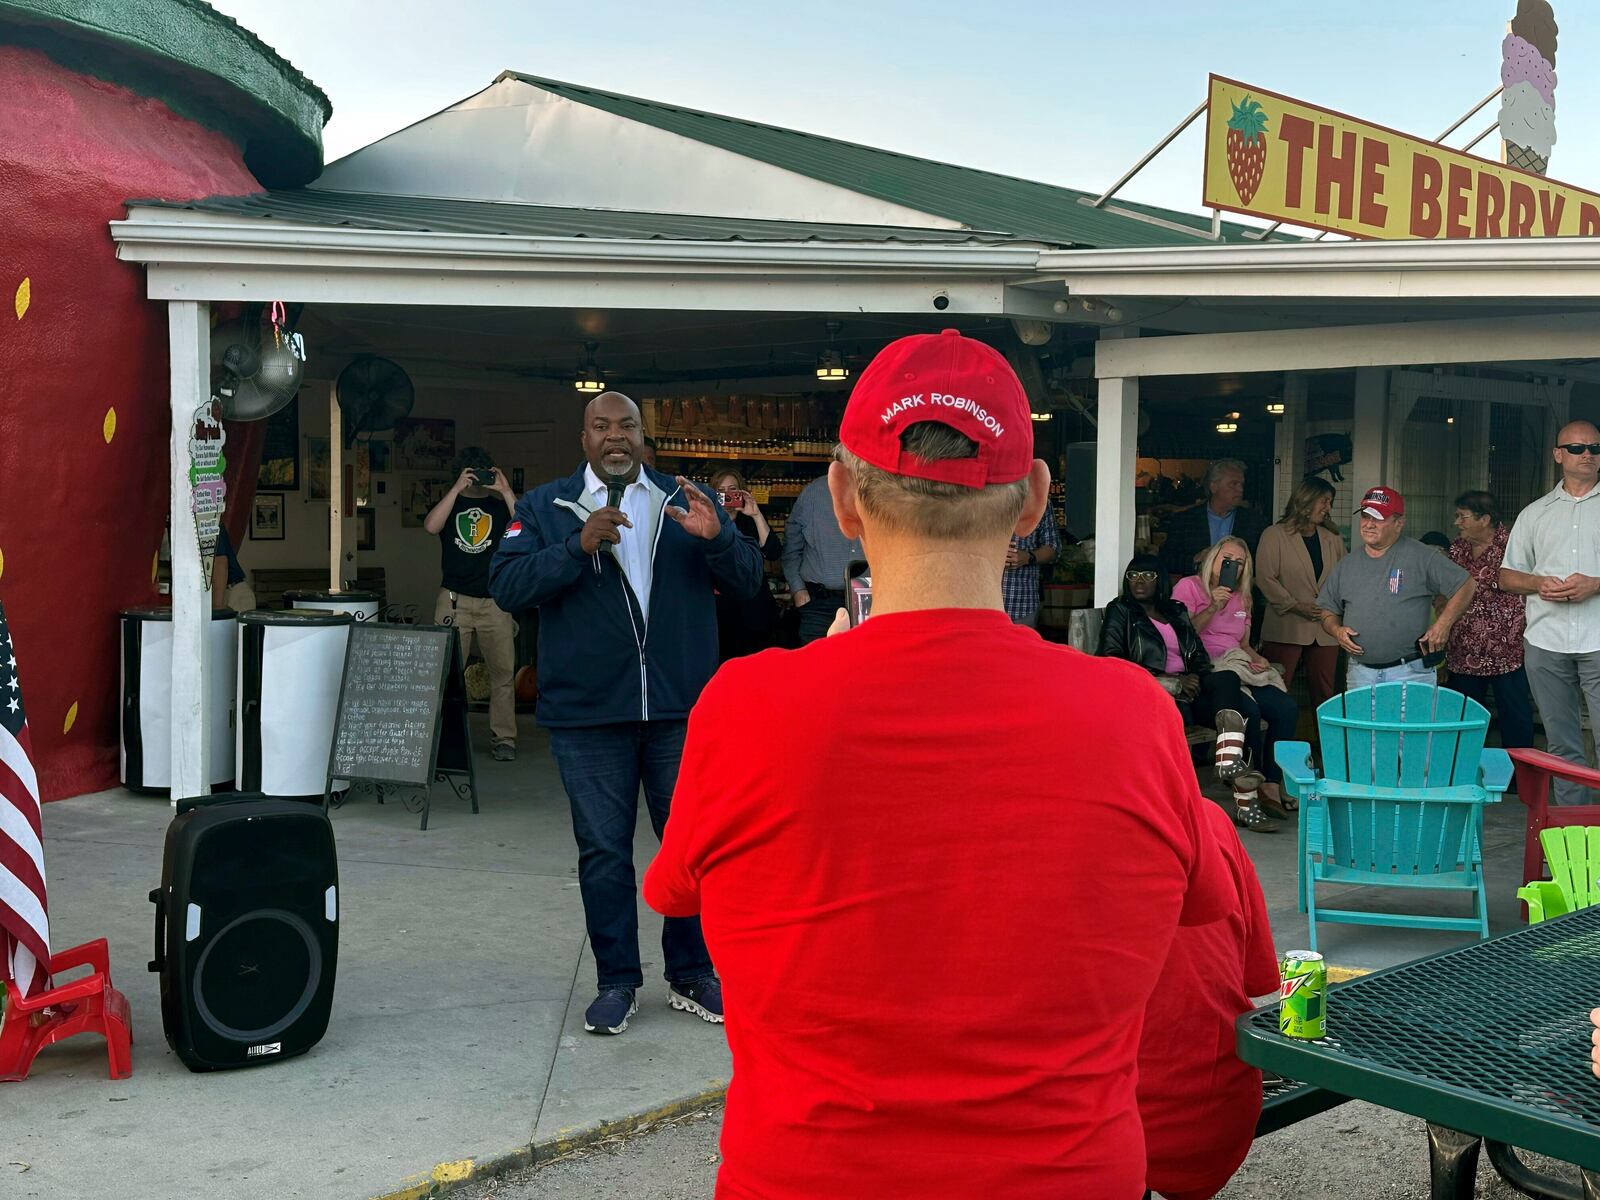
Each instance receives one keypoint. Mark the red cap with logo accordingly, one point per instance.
(1383, 503)
(957, 381)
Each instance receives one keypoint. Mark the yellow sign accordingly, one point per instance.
(1285, 160)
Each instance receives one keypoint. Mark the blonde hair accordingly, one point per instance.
(929, 508)
(1246, 577)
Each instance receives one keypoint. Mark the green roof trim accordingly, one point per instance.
(202, 64)
(421, 214)
(981, 199)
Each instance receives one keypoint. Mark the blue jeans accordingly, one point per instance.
(1357, 676)
(602, 768)
(1513, 702)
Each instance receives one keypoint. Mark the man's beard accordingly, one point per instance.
(618, 471)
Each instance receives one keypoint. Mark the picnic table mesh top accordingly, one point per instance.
(1507, 1018)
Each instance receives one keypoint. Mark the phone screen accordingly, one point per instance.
(858, 591)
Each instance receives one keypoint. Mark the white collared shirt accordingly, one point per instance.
(636, 551)
(1559, 534)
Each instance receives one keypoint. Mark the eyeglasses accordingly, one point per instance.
(1141, 576)
(1581, 448)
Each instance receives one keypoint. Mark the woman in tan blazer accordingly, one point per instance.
(1290, 578)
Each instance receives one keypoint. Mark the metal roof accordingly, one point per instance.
(200, 62)
(363, 210)
(981, 199)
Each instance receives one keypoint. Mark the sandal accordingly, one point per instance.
(1281, 806)
(1247, 810)
(1229, 758)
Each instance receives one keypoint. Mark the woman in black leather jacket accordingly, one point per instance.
(1138, 625)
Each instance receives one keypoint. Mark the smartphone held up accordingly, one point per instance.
(858, 591)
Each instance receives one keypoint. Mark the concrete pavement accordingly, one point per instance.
(457, 1029)
(456, 1045)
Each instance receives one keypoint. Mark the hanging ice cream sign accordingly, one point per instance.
(1285, 160)
(208, 492)
(1528, 76)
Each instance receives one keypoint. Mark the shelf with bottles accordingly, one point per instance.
(816, 450)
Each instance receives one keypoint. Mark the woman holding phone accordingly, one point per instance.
(746, 626)
(1218, 600)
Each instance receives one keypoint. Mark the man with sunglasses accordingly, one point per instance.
(1553, 558)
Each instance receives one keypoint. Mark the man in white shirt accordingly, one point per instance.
(623, 564)
(1553, 558)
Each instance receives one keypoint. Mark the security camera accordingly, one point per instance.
(941, 300)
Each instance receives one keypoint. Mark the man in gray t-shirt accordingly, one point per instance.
(1378, 602)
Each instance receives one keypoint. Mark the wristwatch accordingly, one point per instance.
(1033, 557)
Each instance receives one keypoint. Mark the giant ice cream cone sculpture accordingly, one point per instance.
(1528, 74)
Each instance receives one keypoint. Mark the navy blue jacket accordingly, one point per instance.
(599, 663)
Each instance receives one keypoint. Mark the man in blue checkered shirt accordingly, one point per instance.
(1020, 584)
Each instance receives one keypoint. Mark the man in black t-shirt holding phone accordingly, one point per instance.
(470, 521)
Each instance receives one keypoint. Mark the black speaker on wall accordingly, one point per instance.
(247, 930)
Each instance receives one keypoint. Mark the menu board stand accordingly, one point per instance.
(402, 716)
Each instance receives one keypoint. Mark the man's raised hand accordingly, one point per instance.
(700, 518)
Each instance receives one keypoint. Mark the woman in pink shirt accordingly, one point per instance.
(1219, 610)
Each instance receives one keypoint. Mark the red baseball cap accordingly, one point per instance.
(1383, 503)
(957, 381)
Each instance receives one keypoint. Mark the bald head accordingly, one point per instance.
(1581, 467)
(609, 403)
(613, 436)
(1578, 431)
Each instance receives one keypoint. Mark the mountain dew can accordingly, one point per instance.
(1303, 995)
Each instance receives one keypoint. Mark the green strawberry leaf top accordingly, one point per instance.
(1249, 118)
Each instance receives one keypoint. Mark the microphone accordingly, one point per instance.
(614, 487)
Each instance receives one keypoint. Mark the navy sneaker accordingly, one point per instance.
(702, 997)
(611, 1009)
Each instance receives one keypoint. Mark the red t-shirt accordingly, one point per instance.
(939, 891)
(1199, 1102)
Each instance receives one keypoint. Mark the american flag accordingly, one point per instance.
(24, 923)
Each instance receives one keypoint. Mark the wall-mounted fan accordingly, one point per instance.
(373, 394)
(255, 370)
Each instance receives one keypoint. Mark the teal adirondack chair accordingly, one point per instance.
(1573, 852)
(1400, 802)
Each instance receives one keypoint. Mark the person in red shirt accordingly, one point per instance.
(1199, 1102)
(939, 926)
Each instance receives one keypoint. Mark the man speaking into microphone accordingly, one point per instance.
(621, 562)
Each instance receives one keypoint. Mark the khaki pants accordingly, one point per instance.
(496, 634)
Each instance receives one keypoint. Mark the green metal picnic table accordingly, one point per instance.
(1488, 1043)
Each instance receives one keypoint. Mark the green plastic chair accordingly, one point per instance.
(1400, 803)
(1573, 855)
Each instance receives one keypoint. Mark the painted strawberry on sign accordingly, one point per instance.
(1247, 147)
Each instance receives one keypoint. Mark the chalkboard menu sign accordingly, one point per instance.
(401, 691)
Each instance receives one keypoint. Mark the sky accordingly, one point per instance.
(1066, 92)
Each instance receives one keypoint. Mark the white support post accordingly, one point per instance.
(1116, 454)
(189, 339)
(1289, 440)
(1369, 434)
(335, 491)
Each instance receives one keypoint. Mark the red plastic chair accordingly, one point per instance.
(86, 1005)
(1535, 769)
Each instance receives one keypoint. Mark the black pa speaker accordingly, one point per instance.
(247, 930)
